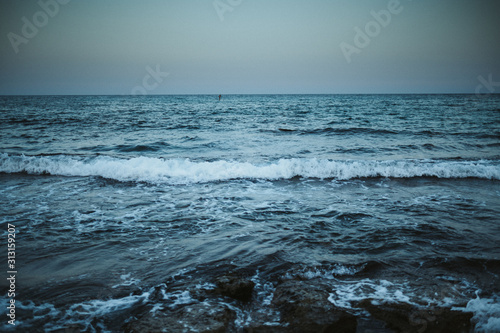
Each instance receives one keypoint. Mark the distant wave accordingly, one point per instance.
(333, 131)
(183, 171)
(328, 131)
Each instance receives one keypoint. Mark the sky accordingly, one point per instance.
(104, 47)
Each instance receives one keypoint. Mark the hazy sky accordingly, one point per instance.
(248, 46)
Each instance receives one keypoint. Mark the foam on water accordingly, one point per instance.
(79, 314)
(179, 298)
(378, 292)
(329, 273)
(185, 171)
(99, 308)
(486, 313)
(127, 280)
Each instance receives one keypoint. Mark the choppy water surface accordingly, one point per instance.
(393, 199)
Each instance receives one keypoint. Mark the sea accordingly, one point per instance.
(130, 206)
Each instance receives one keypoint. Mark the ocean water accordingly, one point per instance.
(387, 198)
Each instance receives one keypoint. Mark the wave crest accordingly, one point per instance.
(181, 171)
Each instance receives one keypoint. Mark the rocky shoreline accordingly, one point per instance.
(235, 303)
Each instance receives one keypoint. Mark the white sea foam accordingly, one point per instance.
(127, 280)
(99, 308)
(377, 291)
(486, 314)
(486, 311)
(178, 298)
(80, 314)
(331, 273)
(183, 171)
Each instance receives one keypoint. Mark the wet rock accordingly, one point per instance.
(235, 287)
(404, 317)
(72, 328)
(201, 317)
(266, 329)
(305, 308)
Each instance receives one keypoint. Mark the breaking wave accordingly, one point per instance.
(183, 171)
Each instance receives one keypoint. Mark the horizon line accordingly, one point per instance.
(253, 94)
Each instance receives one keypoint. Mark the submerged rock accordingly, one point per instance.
(290, 306)
(404, 317)
(305, 308)
(201, 317)
(235, 287)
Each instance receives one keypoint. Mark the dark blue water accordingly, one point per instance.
(388, 198)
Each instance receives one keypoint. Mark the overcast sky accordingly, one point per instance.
(247, 46)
